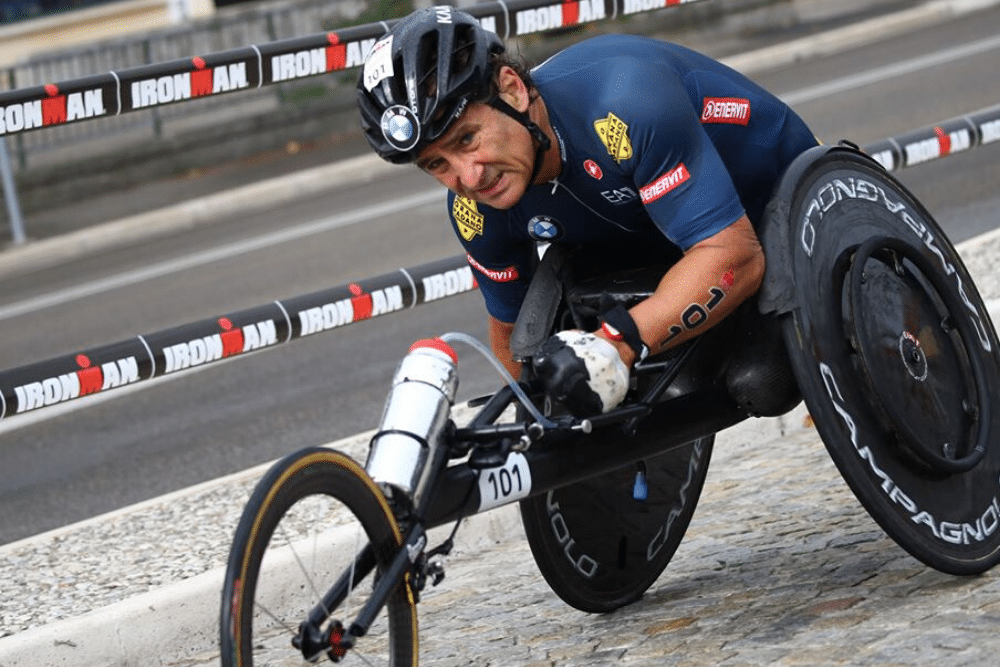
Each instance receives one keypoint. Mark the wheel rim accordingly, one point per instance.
(296, 568)
(301, 536)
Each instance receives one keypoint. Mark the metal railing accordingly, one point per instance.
(99, 60)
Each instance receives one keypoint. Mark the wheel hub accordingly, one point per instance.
(913, 356)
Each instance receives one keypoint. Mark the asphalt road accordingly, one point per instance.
(68, 463)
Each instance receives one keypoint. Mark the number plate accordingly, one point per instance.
(378, 65)
(506, 484)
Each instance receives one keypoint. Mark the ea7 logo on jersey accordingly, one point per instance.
(619, 196)
(729, 110)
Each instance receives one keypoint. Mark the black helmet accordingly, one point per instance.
(421, 76)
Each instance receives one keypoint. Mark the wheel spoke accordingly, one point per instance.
(315, 523)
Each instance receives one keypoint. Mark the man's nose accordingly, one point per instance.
(470, 172)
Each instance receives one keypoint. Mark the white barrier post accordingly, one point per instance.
(10, 195)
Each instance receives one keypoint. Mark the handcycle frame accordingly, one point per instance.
(688, 418)
(457, 490)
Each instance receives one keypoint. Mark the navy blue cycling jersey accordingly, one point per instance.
(660, 145)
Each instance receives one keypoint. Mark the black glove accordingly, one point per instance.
(581, 371)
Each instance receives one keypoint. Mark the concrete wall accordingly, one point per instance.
(20, 40)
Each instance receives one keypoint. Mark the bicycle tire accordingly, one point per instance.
(597, 546)
(270, 541)
(897, 360)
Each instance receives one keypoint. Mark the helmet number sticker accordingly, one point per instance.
(378, 65)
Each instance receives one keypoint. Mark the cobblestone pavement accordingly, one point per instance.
(781, 566)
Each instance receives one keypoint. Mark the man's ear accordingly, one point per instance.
(512, 89)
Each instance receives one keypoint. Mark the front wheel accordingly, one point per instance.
(313, 536)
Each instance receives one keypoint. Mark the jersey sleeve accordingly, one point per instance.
(502, 262)
(680, 176)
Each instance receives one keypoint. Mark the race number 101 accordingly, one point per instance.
(505, 484)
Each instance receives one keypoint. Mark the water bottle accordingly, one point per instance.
(407, 447)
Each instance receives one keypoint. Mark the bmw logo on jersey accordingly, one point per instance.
(544, 228)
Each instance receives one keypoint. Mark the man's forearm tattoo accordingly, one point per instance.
(696, 314)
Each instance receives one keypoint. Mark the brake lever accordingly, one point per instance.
(493, 456)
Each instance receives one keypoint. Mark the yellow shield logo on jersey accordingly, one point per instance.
(467, 217)
(613, 133)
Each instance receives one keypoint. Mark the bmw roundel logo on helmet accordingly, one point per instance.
(400, 127)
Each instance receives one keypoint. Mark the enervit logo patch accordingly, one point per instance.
(664, 184)
(729, 110)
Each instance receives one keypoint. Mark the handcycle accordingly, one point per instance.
(866, 313)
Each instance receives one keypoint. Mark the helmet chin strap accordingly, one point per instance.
(544, 143)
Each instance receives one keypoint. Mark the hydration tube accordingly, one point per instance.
(476, 344)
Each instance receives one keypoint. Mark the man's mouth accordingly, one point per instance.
(490, 188)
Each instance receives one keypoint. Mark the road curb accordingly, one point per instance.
(179, 621)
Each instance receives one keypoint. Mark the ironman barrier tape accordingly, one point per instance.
(257, 65)
(956, 135)
(231, 335)
(149, 356)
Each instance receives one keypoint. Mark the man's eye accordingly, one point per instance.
(467, 139)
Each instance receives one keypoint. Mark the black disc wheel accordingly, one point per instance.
(896, 358)
(313, 538)
(601, 543)
(927, 390)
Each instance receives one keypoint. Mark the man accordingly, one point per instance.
(618, 142)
